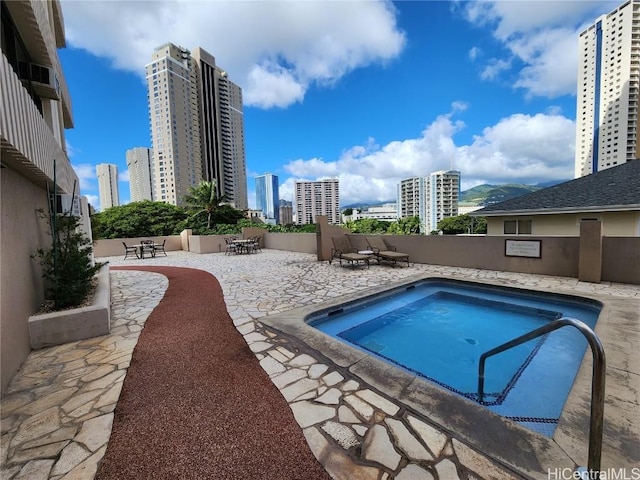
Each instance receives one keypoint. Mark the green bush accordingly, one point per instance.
(67, 266)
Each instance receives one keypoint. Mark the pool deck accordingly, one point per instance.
(361, 418)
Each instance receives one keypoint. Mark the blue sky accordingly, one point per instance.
(372, 92)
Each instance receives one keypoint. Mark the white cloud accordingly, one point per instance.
(542, 36)
(275, 50)
(87, 175)
(94, 200)
(518, 149)
(124, 176)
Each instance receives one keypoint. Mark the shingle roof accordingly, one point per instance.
(613, 189)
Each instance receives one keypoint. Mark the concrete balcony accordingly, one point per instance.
(28, 144)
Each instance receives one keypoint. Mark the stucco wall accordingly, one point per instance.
(22, 232)
(113, 246)
(293, 242)
(615, 224)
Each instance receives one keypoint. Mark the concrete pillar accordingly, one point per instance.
(184, 238)
(590, 257)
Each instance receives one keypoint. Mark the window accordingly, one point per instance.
(518, 227)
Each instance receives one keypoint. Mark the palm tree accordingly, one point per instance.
(203, 198)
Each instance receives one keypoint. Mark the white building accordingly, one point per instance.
(34, 112)
(607, 93)
(387, 212)
(140, 165)
(108, 185)
(431, 198)
(442, 194)
(317, 198)
(197, 126)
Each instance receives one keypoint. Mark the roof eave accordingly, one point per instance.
(552, 211)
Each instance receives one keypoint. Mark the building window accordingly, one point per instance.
(518, 227)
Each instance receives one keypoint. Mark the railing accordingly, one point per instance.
(597, 383)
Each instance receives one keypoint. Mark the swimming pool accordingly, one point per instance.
(438, 329)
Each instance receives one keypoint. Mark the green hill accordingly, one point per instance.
(489, 194)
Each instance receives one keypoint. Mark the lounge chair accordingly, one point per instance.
(342, 250)
(386, 253)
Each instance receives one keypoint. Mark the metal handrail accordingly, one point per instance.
(597, 382)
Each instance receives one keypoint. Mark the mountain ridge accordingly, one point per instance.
(482, 195)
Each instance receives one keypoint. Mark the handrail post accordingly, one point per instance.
(597, 381)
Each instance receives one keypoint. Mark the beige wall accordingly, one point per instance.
(292, 242)
(615, 224)
(22, 232)
(110, 247)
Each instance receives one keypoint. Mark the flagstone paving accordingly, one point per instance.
(58, 410)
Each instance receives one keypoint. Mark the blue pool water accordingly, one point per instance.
(439, 329)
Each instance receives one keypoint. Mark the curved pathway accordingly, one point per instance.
(195, 402)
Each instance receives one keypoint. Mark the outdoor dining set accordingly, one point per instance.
(145, 247)
(242, 245)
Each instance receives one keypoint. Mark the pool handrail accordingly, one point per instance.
(597, 382)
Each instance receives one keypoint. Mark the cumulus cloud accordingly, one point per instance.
(124, 176)
(517, 149)
(87, 176)
(274, 50)
(536, 34)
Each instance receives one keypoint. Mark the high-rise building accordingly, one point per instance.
(267, 195)
(197, 126)
(108, 185)
(608, 91)
(286, 212)
(34, 112)
(442, 194)
(317, 198)
(430, 198)
(140, 165)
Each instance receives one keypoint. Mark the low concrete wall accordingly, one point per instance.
(559, 255)
(621, 259)
(109, 247)
(56, 328)
(207, 243)
(292, 242)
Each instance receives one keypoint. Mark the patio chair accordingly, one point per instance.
(231, 247)
(148, 247)
(386, 253)
(129, 250)
(254, 245)
(342, 250)
(159, 248)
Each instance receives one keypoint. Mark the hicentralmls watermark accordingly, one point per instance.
(584, 474)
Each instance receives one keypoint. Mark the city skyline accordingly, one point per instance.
(371, 106)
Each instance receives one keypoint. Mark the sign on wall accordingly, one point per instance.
(523, 248)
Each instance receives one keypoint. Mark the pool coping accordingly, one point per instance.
(504, 441)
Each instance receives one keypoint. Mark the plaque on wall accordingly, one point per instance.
(523, 248)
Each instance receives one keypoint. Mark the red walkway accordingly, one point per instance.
(195, 403)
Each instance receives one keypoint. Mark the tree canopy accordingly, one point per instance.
(463, 224)
(203, 199)
(138, 219)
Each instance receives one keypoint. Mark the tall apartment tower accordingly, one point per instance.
(197, 126)
(442, 194)
(34, 112)
(108, 185)
(431, 198)
(286, 212)
(608, 91)
(140, 165)
(267, 195)
(317, 198)
(410, 198)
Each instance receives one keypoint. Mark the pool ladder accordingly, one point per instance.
(597, 382)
